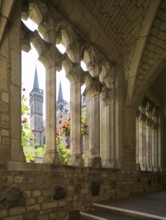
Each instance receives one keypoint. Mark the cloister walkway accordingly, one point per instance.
(147, 206)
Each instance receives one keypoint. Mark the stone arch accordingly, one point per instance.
(38, 13)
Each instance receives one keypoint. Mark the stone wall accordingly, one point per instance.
(44, 192)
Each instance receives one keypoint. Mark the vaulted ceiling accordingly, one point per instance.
(129, 32)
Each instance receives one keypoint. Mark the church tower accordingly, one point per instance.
(36, 110)
(60, 101)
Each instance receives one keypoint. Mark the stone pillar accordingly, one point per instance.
(137, 140)
(14, 82)
(93, 93)
(142, 140)
(154, 141)
(160, 150)
(73, 73)
(86, 150)
(51, 156)
(75, 108)
(107, 135)
(111, 138)
(148, 138)
(129, 150)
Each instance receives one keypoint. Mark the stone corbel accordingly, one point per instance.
(68, 36)
(49, 27)
(46, 51)
(59, 59)
(93, 86)
(68, 67)
(92, 59)
(106, 76)
(72, 70)
(73, 52)
(154, 118)
(107, 95)
(69, 40)
(142, 115)
(25, 38)
(58, 38)
(38, 11)
(148, 110)
(45, 19)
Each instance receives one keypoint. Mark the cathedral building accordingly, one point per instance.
(37, 125)
(36, 111)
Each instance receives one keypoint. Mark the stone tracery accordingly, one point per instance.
(100, 74)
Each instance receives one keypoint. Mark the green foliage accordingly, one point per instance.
(24, 107)
(30, 153)
(63, 154)
(62, 137)
(28, 157)
(27, 136)
(24, 123)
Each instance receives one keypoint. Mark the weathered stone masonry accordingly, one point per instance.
(122, 44)
(37, 182)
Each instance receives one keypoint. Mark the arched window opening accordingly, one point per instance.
(84, 126)
(63, 116)
(33, 106)
(148, 137)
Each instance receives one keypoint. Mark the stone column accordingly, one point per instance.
(93, 93)
(148, 137)
(159, 151)
(137, 140)
(10, 86)
(75, 108)
(86, 150)
(142, 139)
(107, 139)
(15, 83)
(73, 73)
(51, 156)
(154, 141)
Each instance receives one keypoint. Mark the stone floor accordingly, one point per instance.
(148, 206)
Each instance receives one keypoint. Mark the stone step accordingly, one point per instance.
(105, 212)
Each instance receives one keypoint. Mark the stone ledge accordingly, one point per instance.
(22, 166)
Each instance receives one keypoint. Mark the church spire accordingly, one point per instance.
(36, 82)
(60, 101)
(60, 93)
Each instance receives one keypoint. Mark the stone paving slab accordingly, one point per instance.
(151, 203)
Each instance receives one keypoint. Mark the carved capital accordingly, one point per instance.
(73, 71)
(106, 76)
(25, 37)
(38, 11)
(107, 95)
(92, 59)
(73, 52)
(93, 86)
(69, 39)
